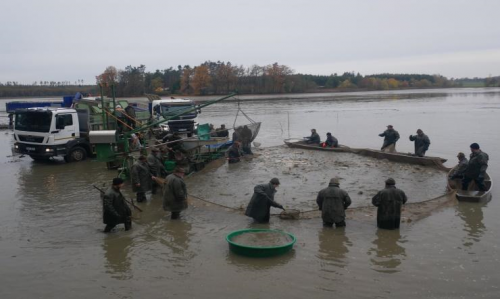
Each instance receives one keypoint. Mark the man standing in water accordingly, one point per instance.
(262, 200)
(391, 136)
(141, 178)
(234, 153)
(174, 193)
(332, 202)
(476, 169)
(389, 202)
(422, 143)
(114, 208)
(155, 167)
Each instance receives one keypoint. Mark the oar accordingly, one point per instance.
(127, 201)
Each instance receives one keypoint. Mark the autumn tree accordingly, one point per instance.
(201, 79)
(187, 73)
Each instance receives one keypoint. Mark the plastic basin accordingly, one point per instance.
(259, 251)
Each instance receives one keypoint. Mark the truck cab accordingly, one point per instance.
(48, 132)
(167, 108)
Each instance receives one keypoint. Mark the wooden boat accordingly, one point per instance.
(402, 157)
(472, 194)
(295, 143)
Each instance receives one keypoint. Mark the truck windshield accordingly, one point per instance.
(173, 110)
(38, 121)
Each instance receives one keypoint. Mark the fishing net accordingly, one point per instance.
(242, 130)
(290, 214)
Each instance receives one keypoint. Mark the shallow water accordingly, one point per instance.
(51, 243)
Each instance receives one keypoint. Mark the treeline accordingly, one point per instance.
(211, 78)
(492, 82)
(223, 77)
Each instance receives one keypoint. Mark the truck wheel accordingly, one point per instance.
(76, 154)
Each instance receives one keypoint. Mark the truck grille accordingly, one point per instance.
(29, 138)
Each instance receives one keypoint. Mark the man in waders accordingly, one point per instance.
(476, 169)
(141, 178)
(422, 143)
(114, 208)
(391, 136)
(155, 167)
(262, 200)
(332, 202)
(459, 171)
(174, 193)
(389, 202)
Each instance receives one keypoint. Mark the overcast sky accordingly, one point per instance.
(67, 40)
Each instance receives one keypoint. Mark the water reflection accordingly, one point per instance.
(333, 246)
(249, 263)
(472, 215)
(387, 253)
(116, 251)
(177, 235)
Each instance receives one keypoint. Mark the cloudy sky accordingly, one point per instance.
(77, 39)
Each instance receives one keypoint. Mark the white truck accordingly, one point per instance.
(165, 108)
(48, 132)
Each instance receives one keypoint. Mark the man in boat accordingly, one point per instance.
(246, 140)
(222, 131)
(114, 208)
(330, 141)
(389, 202)
(459, 171)
(391, 136)
(141, 178)
(332, 202)
(155, 166)
(234, 153)
(422, 143)
(476, 169)
(262, 200)
(314, 138)
(131, 115)
(174, 192)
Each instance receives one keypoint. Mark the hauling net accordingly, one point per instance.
(247, 131)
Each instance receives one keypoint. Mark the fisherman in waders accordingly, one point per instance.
(174, 193)
(389, 202)
(476, 169)
(459, 171)
(141, 178)
(246, 140)
(114, 208)
(391, 136)
(262, 200)
(155, 166)
(332, 202)
(234, 153)
(422, 143)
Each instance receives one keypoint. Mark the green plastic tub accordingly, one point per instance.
(259, 251)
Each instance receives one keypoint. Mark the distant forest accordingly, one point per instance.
(214, 78)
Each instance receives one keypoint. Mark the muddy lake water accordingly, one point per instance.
(52, 245)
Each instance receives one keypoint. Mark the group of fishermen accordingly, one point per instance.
(332, 201)
(390, 135)
(147, 174)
